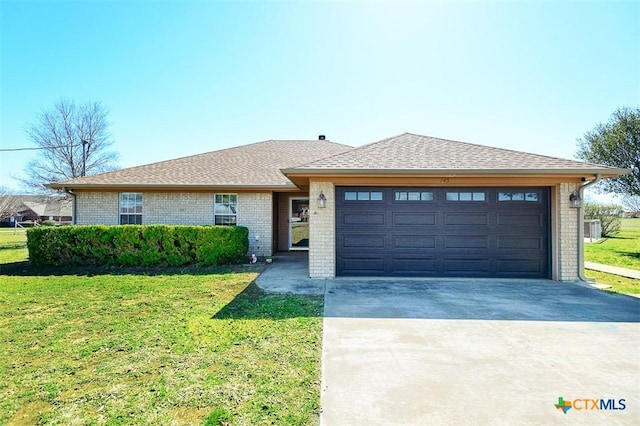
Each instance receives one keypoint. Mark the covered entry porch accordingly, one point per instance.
(291, 214)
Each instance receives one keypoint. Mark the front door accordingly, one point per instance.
(299, 224)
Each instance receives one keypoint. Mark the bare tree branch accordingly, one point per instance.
(632, 205)
(60, 131)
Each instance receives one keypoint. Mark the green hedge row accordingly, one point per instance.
(133, 245)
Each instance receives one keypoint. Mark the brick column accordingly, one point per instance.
(322, 228)
(568, 238)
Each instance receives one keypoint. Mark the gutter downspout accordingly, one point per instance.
(73, 204)
(581, 229)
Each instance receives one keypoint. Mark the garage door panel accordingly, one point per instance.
(364, 266)
(413, 219)
(483, 232)
(466, 266)
(519, 267)
(519, 220)
(466, 242)
(466, 219)
(363, 218)
(414, 242)
(419, 266)
(363, 241)
(519, 243)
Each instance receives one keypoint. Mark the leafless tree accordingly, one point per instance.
(632, 205)
(74, 141)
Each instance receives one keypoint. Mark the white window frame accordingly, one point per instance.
(230, 217)
(132, 202)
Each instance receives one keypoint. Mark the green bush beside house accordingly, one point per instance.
(138, 245)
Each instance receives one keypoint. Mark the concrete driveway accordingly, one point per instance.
(454, 351)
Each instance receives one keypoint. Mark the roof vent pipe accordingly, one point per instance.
(321, 137)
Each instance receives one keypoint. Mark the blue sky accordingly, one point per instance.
(181, 78)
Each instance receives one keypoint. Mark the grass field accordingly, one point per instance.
(188, 346)
(622, 251)
(618, 284)
(13, 246)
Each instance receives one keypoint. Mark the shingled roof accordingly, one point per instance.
(410, 153)
(281, 164)
(255, 165)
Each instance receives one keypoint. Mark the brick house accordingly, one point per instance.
(34, 208)
(409, 205)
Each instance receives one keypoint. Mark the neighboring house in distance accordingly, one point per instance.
(409, 205)
(35, 208)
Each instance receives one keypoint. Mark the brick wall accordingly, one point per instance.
(255, 212)
(322, 252)
(568, 234)
(176, 208)
(94, 208)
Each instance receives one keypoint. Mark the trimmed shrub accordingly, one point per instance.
(135, 245)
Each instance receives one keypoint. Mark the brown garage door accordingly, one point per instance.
(457, 232)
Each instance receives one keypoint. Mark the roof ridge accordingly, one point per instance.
(383, 140)
(324, 158)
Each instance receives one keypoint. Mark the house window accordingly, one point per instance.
(413, 196)
(130, 208)
(518, 196)
(363, 196)
(465, 196)
(225, 209)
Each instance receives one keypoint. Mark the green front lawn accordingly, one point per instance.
(13, 244)
(618, 284)
(188, 346)
(12, 238)
(622, 251)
